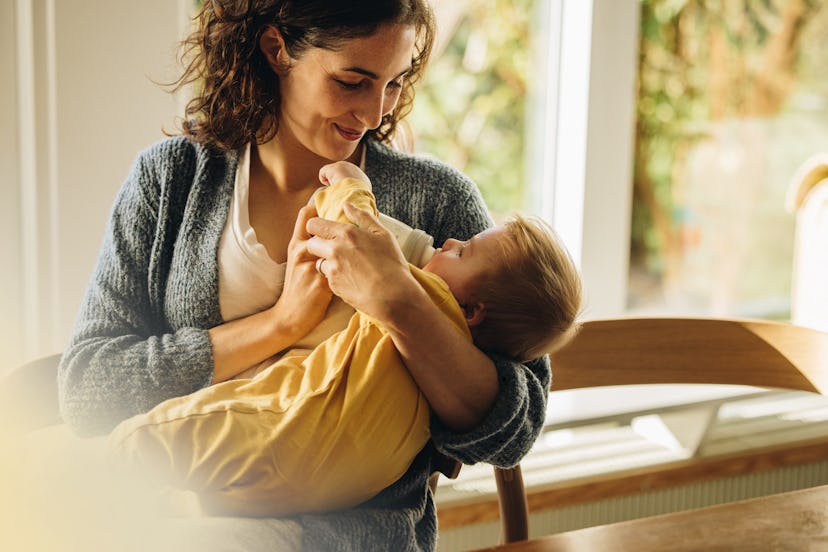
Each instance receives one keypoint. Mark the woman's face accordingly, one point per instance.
(331, 98)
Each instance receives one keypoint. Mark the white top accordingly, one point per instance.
(250, 281)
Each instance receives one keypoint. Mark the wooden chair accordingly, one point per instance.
(693, 350)
(636, 351)
(514, 510)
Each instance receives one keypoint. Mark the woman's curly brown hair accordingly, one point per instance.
(237, 93)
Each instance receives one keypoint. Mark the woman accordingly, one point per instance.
(211, 251)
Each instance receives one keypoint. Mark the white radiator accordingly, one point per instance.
(644, 504)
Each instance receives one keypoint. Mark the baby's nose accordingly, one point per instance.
(450, 243)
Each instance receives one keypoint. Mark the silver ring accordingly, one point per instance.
(319, 262)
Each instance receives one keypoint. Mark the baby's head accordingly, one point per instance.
(517, 285)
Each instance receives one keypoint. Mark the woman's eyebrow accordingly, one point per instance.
(371, 74)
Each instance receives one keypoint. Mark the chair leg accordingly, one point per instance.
(514, 511)
(441, 463)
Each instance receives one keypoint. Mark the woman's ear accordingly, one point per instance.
(475, 314)
(272, 46)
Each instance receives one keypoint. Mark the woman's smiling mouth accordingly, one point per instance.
(349, 134)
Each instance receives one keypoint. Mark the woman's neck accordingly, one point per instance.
(288, 171)
(290, 168)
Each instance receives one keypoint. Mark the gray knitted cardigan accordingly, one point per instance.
(141, 333)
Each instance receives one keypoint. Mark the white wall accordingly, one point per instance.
(10, 284)
(81, 103)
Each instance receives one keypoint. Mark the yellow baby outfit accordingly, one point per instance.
(316, 432)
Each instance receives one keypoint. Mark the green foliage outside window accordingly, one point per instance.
(703, 61)
(470, 108)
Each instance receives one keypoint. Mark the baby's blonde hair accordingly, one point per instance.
(532, 296)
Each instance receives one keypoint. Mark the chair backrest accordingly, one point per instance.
(632, 351)
(693, 350)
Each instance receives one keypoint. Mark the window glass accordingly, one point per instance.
(732, 99)
(471, 106)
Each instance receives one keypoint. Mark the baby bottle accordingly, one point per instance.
(416, 245)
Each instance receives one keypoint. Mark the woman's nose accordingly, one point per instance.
(371, 110)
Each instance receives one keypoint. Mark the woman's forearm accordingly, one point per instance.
(458, 380)
(242, 343)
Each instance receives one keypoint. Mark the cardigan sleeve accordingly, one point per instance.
(123, 358)
(513, 423)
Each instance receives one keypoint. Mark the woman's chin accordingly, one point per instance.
(341, 152)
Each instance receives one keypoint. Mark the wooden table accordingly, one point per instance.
(791, 521)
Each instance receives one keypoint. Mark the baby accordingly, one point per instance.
(329, 429)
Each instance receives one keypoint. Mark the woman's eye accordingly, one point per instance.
(395, 85)
(349, 85)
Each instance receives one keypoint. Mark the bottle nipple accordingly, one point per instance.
(416, 245)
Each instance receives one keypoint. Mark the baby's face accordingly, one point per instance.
(464, 264)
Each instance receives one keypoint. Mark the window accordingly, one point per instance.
(574, 118)
(731, 101)
(471, 108)
(622, 121)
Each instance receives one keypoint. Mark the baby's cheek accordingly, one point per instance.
(433, 264)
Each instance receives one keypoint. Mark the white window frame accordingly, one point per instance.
(583, 184)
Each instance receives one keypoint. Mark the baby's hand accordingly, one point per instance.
(334, 172)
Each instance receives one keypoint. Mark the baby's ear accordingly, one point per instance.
(474, 313)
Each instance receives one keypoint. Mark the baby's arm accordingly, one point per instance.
(343, 182)
(334, 172)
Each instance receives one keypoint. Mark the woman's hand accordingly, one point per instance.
(244, 342)
(306, 295)
(362, 261)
